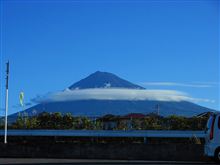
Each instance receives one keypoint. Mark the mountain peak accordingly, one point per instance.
(99, 72)
(100, 79)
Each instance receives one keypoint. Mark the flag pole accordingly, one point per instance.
(6, 102)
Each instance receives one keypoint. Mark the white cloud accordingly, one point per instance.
(193, 85)
(118, 94)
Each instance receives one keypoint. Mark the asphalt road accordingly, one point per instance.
(27, 161)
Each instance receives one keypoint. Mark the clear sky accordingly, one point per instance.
(157, 44)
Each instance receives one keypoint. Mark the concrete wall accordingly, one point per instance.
(186, 152)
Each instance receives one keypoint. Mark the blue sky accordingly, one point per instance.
(157, 44)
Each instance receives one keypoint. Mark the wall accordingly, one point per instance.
(186, 152)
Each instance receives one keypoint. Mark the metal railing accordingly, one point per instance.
(107, 133)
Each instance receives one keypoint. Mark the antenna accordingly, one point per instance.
(6, 102)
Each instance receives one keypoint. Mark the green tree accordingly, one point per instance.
(67, 121)
(44, 121)
(86, 123)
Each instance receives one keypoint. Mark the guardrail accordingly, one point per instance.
(107, 133)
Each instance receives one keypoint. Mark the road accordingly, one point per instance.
(30, 161)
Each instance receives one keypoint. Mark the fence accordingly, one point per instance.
(107, 133)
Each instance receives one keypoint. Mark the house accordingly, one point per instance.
(111, 122)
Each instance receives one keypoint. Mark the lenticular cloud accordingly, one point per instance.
(117, 94)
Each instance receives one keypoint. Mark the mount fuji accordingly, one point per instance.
(87, 104)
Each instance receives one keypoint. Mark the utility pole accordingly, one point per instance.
(158, 109)
(6, 102)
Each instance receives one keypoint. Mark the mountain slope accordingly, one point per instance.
(103, 107)
(103, 80)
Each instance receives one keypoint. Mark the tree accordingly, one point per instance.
(19, 123)
(67, 121)
(44, 121)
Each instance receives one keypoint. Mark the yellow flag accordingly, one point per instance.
(21, 98)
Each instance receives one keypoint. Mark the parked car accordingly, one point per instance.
(212, 138)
